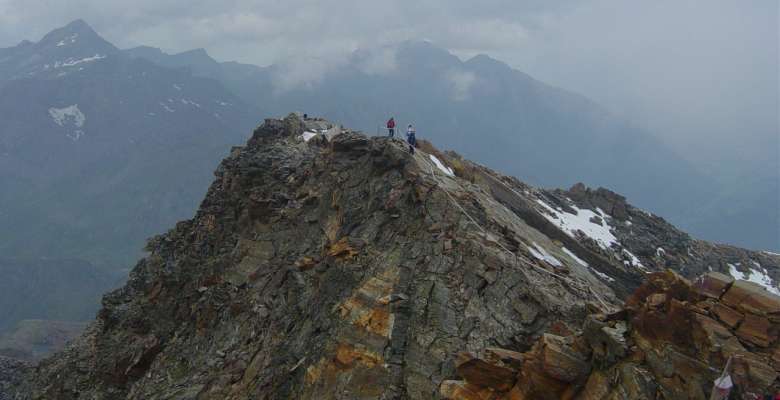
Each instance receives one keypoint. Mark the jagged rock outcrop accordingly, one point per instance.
(325, 264)
(642, 242)
(671, 341)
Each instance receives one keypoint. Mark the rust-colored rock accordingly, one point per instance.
(714, 332)
(461, 390)
(534, 384)
(347, 356)
(342, 249)
(597, 387)
(508, 357)
(485, 372)
(751, 298)
(754, 372)
(727, 315)
(713, 284)
(755, 330)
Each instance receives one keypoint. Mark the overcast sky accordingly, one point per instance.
(702, 74)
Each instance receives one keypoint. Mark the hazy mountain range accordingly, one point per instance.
(101, 148)
(507, 119)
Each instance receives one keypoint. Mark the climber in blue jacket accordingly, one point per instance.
(410, 132)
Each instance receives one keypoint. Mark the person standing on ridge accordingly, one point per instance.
(391, 127)
(410, 133)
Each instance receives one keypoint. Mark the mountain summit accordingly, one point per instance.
(62, 51)
(323, 263)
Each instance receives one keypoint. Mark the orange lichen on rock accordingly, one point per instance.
(342, 249)
(368, 309)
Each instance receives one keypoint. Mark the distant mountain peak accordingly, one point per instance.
(487, 64)
(76, 33)
(197, 56)
(424, 52)
(78, 24)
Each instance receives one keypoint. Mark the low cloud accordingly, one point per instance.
(382, 61)
(304, 73)
(462, 81)
(696, 73)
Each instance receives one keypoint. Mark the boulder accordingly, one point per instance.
(606, 341)
(751, 298)
(713, 284)
(560, 361)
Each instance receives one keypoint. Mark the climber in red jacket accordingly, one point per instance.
(391, 127)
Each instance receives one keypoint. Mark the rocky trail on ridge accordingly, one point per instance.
(325, 264)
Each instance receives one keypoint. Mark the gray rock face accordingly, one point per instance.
(337, 266)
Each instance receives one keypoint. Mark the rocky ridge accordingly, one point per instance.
(326, 264)
(658, 244)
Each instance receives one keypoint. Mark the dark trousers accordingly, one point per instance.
(391, 132)
(412, 142)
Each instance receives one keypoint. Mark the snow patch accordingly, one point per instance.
(574, 256)
(69, 114)
(771, 253)
(660, 252)
(603, 275)
(68, 40)
(177, 87)
(165, 106)
(71, 62)
(542, 254)
(440, 166)
(571, 223)
(633, 260)
(75, 135)
(223, 104)
(757, 275)
(733, 271)
(306, 136)
(190, 102)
